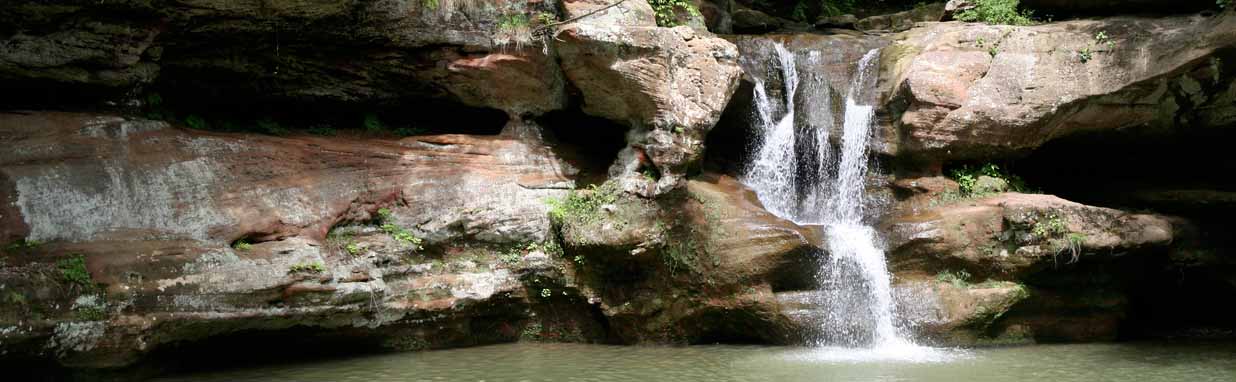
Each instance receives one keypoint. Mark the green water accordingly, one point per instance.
(566, 362)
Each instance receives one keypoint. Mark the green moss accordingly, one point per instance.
(73, 270)
(90, 313)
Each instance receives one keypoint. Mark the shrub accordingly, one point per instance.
(269, 126)
(242, 245)
(372, 124)
(836, 7)
(959, 279)
(22, 245)
(667, 11)
(196, 122)
(325, 131)
(583, 205)
(967, 178)
(996, 12)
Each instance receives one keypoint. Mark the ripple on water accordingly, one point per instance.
(898, 353)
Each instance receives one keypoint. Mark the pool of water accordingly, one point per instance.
(1191, 362)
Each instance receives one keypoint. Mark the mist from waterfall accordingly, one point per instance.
(798, 175)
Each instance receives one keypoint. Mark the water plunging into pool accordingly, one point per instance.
(798, 175)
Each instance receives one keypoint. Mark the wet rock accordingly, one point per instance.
(691, 269)
(958, 313)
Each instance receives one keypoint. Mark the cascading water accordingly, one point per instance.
(854, 305)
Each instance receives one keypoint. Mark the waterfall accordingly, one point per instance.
(853, 306)
(774, 167)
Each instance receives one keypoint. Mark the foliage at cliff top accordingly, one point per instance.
(997, 12)
(667, 11)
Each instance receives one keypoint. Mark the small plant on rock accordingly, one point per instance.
(73, 270)
(314, 268)
(584, 206)
(242, 245)
(22, 245)
(1052, 226)
(967, 179)
(397, 232)
(352, 248)
(959, 279)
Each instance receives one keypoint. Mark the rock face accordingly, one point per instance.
(967, 91)
(156, 213)
(374, 51)
(134, 235)
(668, 85)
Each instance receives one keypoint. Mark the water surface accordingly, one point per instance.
(1191, 362)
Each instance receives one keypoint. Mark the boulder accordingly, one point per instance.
(966, 91)
(669, 84)
(901, 21)
(839, 21)
(953, 312)
(953, 7)
(717, 15)
(1011, 236)
(691, 268)
(750, 21)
